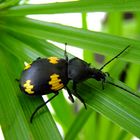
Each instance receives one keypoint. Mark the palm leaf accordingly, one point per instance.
(25, 39)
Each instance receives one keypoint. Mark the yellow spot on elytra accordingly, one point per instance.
(27, 66)
(53, 60)
(28, 87)
(55, 82)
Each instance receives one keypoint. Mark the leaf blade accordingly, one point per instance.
(103, 43)
(42, 126)
(69, 7)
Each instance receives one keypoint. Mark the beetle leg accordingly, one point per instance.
(77, 95)
(102, 84)
(70, 94)
(103, 81)
(40, 106)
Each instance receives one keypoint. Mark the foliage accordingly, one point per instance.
(24, 39)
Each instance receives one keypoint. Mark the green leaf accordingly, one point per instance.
(12, 118)
(131, 82)
(24, 39)
(76, 126)
(77, 6)
(118, 105)
(8, 3)
(98, 42)
(17, 107)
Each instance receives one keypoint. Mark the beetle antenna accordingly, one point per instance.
(123, 88)
(65, 53)
(114, 57)
(40, 106)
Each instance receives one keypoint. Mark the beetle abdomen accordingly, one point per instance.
(44, 76)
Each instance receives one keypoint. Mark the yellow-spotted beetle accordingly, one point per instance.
(49, 75)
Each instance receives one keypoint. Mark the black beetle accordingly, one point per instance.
(49, 75)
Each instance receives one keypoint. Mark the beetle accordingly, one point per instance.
(49, 75)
